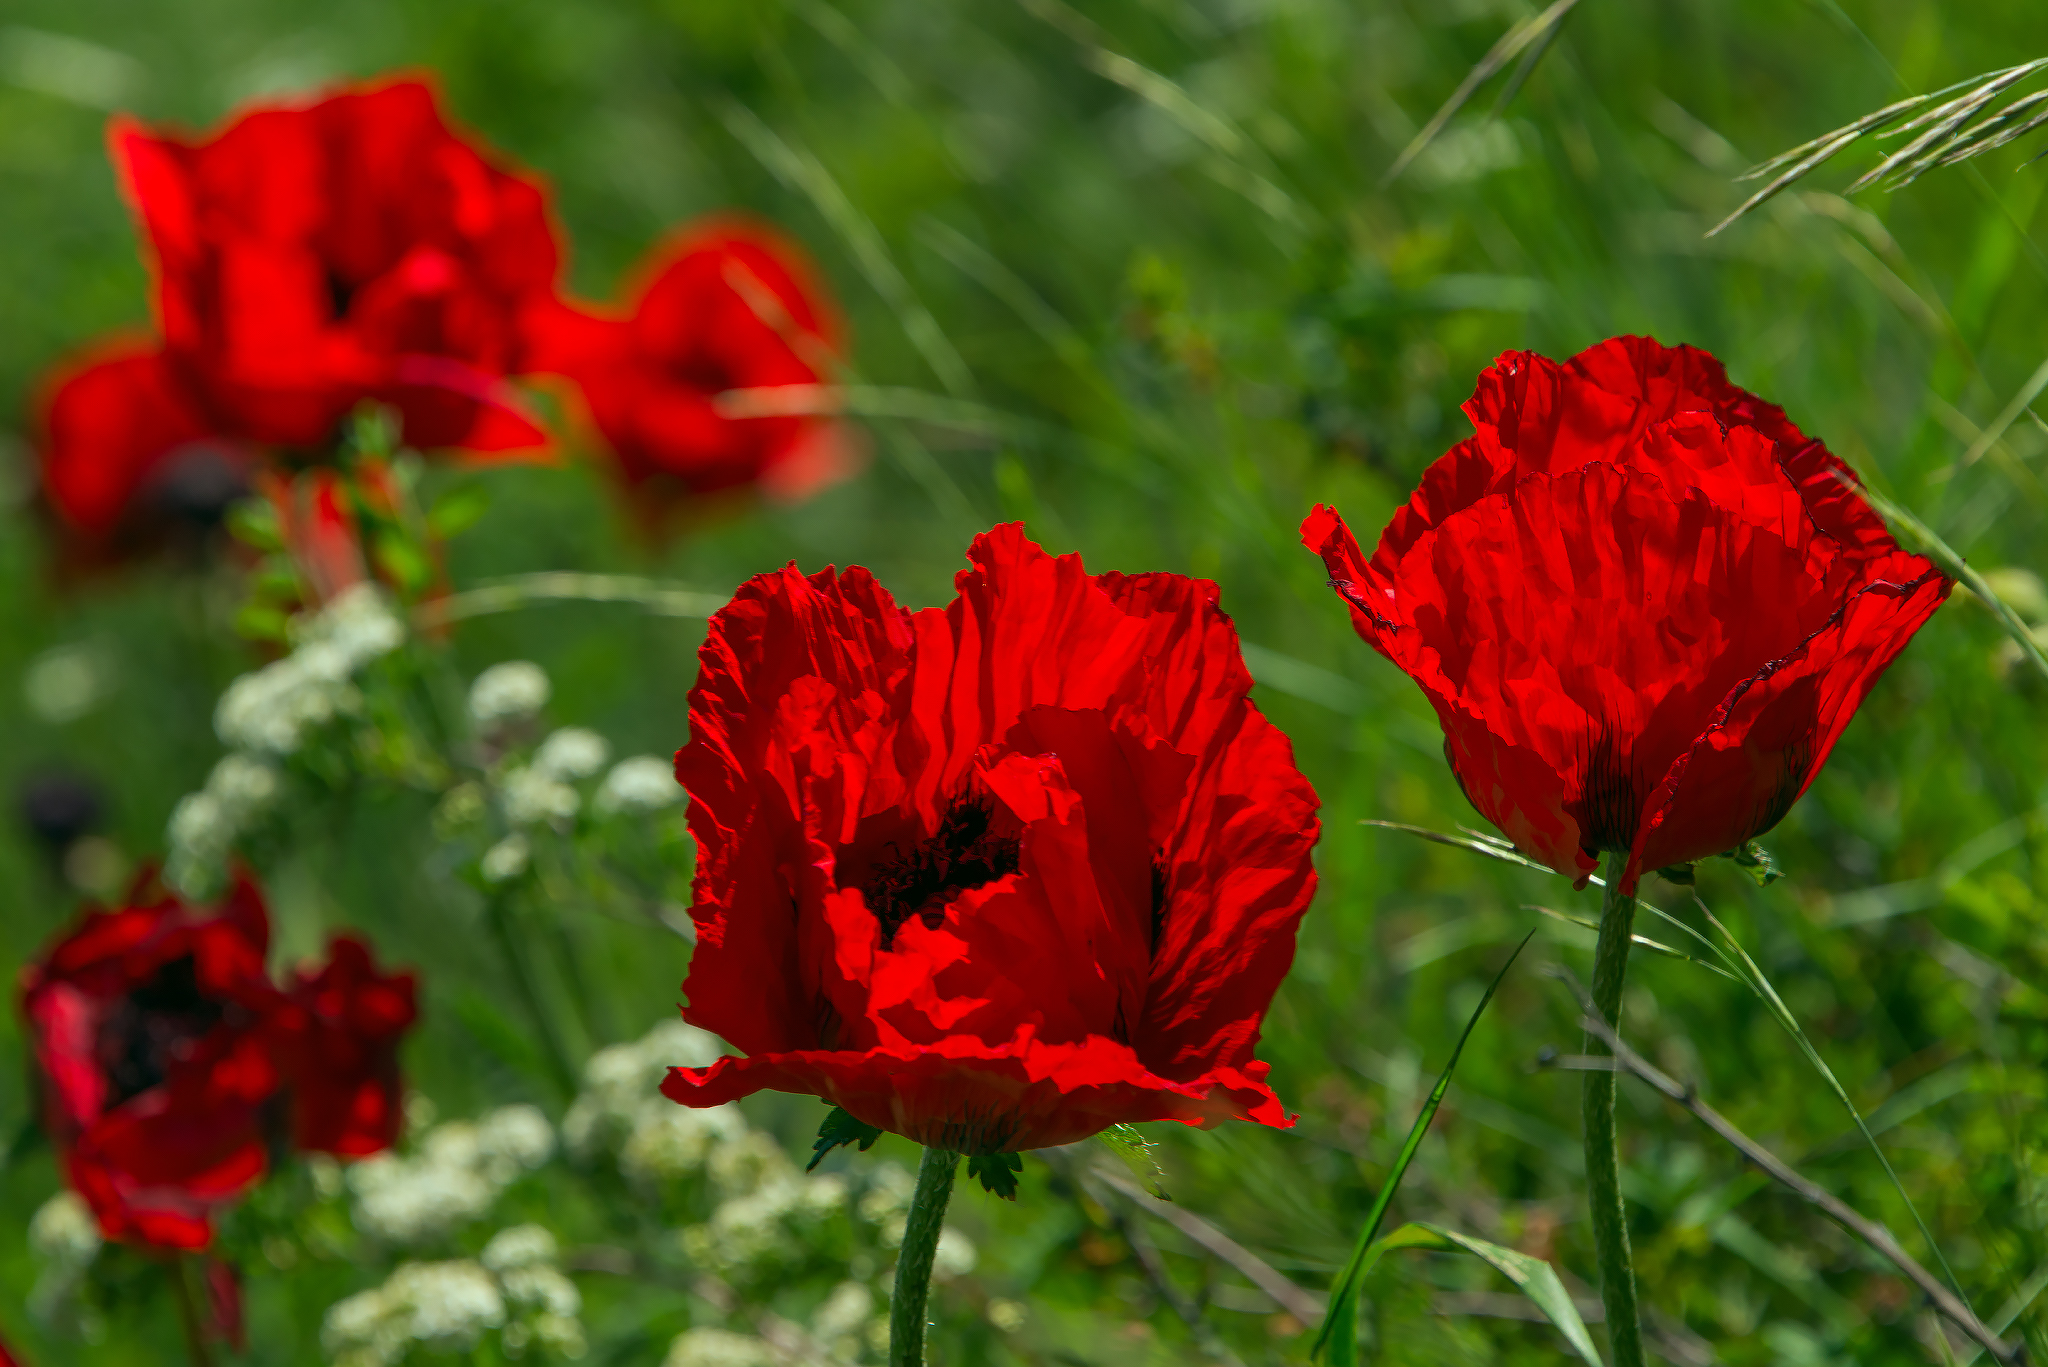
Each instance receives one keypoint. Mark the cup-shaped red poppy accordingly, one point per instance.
(1642, 602)
(994, 876)
(714, 377)
(342, 1029)
(310, 256)
(126, 450)
(152, 1028)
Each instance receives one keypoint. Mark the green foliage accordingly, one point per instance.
(1184, 312)
(839, 1127)
(997, 1172)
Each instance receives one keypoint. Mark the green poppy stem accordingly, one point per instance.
(194, 1315)
(914, 1260)
(1603, 1166)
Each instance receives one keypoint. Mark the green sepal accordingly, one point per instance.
(1754, 860)
(841, 1128)
(997, 1171)
(253, 522)
(458, 510)
(255, 622)
(1681, 874)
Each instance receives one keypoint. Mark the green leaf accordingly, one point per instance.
(253, 522)
(1535, 1278)
(458, 510)
(258, 623)
(1136, 1151)
(997, 1172)
(1756, 861)
(1341, 1349)
(512, 1044)
(400, 559)
(839, 1128)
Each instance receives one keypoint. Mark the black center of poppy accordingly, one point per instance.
(920, 881)
(1614, 807)
(152, 1027)
(340, 294)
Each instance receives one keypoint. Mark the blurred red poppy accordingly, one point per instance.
(1642, 602)
(994, 876)
(310, 256)
(151, 1031)
(716, 377)
(342, 1030)
(126, 450)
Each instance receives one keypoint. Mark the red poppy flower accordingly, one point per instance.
(994, 876)
(125, 447)
(151, 1035)
(343, 1029)
(724, 305)
(311, 256)
(1643, 603)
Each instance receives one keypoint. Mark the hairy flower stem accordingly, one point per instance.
(914, 1261)
(1603, 1167)
(181, 1270)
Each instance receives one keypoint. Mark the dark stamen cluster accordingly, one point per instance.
(961, 855)
(152, 1026)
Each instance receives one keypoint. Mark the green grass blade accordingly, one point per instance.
(1533, 1277)
(1340, 1350)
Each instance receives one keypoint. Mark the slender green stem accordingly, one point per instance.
(1603, 1167)
(180, 1270)
(498, 914)
(914, 1261)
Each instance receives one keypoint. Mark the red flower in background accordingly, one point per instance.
(724, 305)
(344, 1023)
(1642, 602)
(151, 1034)
(125, 448)
(167, 1059)
(994, 876)
(308, 257)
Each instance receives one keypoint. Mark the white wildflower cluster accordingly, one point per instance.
(270, 710)
(543, 791)
(707, 1347)
(513, 1287)
(64, 1235)
(840, 1324)
(205, 824)
(454, 1177)
(886, 1205)
(639, 783)
(511, 691)
(622, 1112)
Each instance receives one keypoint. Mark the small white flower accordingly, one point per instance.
(243, 787)
(543, 1288)
(451, 1303)
(359, 623)
(1007, 1316)
(750, 1162)
(65, 682)
(513, 689)
(366, 1320)
(519, 1246)
(513, 1138)
(412, 1201)
(954, 1257)
(571, 753)
(560, 1334)
(200, 829)
(672, 1141)
(707, 1347)
(823, 1196)
(641, 783)
(505, 860)
(532, 796)
(63, 1231)
(844, 1311)
(888, 1194)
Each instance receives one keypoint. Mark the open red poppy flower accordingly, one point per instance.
(724, 305)
(994, 876)
(152, 1036)
(308, 257)
(1642, 602)
(342, 1028)
(126, 450)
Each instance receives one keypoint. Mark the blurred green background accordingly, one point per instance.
(1135, 261)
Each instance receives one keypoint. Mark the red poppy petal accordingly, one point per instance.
(109, 421)
(1778, 727)
(966, 1095)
